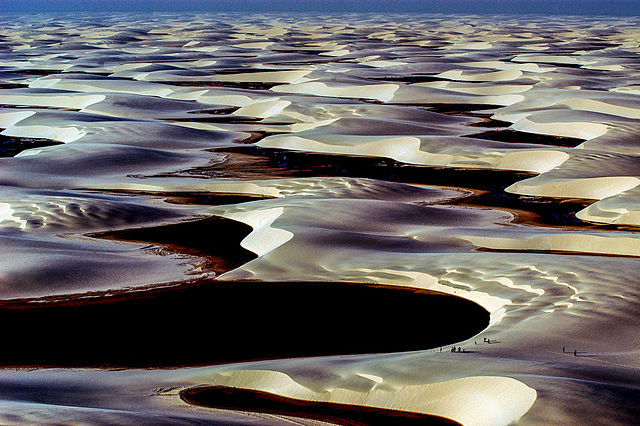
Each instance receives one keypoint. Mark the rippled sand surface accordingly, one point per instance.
(493, 159)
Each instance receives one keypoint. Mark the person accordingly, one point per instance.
(453, 349)
(563, 351)
(575, 352)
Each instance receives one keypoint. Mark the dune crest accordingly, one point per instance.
(477, 400)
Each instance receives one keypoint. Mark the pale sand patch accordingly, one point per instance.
(595, 188)
(581, 243)
(9, 118)
(264, 238)
(62, 134)
(502, 75)
(579, 129)
(380, 92)
(36, 65)
(383, 63)
(501, 65)
(262, 77)
(634, 90)
(113, 86)
(263, 108)
(341, 52)
(538, 160)
(6, 215)
(501, 89)
(621, 209)
(186, 95)
(617, 216)
(603, 107)
(407, 150)
(223, 99)
(549, 59)
(325, 46)
(301, 127)
(536, 46)
(62, 100)
(161, 185)
(205, 49)
(479, 400)
(199, 126)
(130, 66)
(504, 100)
(259, 45)
(203, 63)
(604, 67)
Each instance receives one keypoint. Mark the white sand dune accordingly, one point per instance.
(264, 76)
(502, 89)
(504, 65)
(9, 118)
(591, 187)
(460, 75)
(264, 238)
(102, 85)
(61, 134)
(470, 400)
(548, 59)
(580, 130)
(254, 45)
(263, 108)
(620, 209)
(594, 244)
(408, 150)
(52, 99)
(380, 92)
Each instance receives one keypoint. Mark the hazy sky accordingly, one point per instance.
(598, 7)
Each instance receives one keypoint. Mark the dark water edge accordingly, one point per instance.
(216, 239)
(210, 322)
(10, 146)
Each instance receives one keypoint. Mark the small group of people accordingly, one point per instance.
(460, 349)
(575, 351)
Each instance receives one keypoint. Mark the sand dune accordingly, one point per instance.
(380, 92)
(485, 395)
(50, 98)
(493, 160)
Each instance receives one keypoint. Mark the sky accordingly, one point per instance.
(554, 7)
